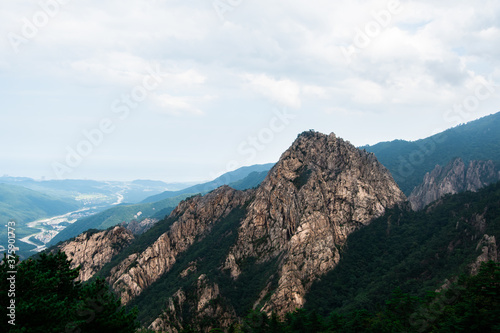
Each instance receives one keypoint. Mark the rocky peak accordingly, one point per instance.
(453, 178)
(321, 190)
(92, 250)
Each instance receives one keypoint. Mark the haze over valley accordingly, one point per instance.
(250, 166)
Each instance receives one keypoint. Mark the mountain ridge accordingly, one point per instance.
(126, 213)
(225, 179)
(453, 178)
(292, 227)
(219, 255)
(409, 161)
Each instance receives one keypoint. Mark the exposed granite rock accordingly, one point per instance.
(138, 228)
(320, 191)
(480, 174)
(195, 217)
(452, 179)
(298, 219)
(204, 306)
(91, 251)
(488, 246)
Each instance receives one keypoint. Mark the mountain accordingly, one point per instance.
(24, 205)
(117, 215)
(225, 179)
(401, 251)
(152, 212)
(414, 252)
(409, 161)
(454, 178)
(97, 192)
(321, 190)
(93, 249)
(252, 180)
(328, 229)
(218, 255)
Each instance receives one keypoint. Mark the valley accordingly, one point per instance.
(326, 232)
(231, 166)
(49, 227)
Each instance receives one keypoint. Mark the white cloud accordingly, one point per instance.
(429, 57)
(314, 91)
(175, 105)
(284, 91)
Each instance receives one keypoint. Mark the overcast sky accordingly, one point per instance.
(187, 90)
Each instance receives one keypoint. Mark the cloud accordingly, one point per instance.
(430, 56)
(175, 105)
(284, 91)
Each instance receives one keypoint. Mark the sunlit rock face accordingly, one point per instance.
(320, 191)
(454, 178)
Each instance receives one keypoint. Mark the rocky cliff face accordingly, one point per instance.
(138, 228)
(454, 178)
(293, 225)
(91, 251)
(195, 217)
(320, 191)
(203, 302)
(489, 251)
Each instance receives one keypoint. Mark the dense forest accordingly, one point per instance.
(415, 251)
(472, 304)
(409, 161)
(43, 296)
(49, 300)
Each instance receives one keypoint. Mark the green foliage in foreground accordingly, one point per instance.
(470, 305)
(47, 299)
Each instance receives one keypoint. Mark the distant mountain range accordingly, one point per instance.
(24, 205)
(117, 215)
(26, 200)
(409, 161)
(225, 179)
(328, 230)
(161, 205)
(132, 192)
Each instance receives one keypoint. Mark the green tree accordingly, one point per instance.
(476, 307)
(48, 299)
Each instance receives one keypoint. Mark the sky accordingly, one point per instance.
(187, 90)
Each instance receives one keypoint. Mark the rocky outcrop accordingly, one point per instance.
(92, 250)
(454, 178)
(480, 174)
(265, 247)
(195, 217)
(138, 228)
(204, 305)
(489, 251)
(297, 220)
(320, 191)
